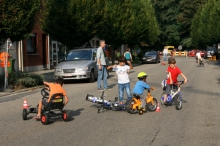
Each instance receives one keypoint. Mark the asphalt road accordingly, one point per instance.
(196, 124)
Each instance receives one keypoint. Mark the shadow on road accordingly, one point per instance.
(75, 113)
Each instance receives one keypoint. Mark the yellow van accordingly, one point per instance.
(169, 48)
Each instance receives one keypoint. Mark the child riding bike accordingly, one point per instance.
(199, 58)
(139, 88)
(173, 72)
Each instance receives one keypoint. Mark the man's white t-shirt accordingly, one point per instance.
(122, 72)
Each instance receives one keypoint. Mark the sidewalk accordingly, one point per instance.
(48, 76)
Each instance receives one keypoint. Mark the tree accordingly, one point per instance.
(17, 18)
(167, 12)
(72, 22)
(128, 22)
(188, 10)
(205, 25)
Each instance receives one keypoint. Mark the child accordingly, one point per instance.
(123, 79)
(173, 72)
(54, 88)
(139, 88)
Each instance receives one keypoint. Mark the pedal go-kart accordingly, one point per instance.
(53, 110)
(104, 104)
(134, 106)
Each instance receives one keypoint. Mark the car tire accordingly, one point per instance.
(92, 77)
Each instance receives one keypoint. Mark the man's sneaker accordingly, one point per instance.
(108, 89)
(100, 89)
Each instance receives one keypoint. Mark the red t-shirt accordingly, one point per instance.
(174, 74)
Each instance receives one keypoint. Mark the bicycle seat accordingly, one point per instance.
(136, 95)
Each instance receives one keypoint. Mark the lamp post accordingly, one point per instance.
(6, 63)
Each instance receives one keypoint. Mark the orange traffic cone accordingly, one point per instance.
(25, 105)
(158, 107)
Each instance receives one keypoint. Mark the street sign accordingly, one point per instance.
(179, 47)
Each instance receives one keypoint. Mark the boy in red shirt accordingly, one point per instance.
(173, 72)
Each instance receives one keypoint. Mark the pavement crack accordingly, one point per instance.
(154, 137)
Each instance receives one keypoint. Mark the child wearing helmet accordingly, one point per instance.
(140, 86)
(123, 79)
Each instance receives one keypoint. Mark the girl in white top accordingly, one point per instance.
(123, 79)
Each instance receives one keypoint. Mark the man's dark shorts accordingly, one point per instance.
(44, 102)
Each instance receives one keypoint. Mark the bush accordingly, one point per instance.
(21, 80)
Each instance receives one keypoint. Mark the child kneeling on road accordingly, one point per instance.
(139, 88)
(123, 79)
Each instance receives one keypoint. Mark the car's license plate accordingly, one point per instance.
(68, 75)
(148, 60)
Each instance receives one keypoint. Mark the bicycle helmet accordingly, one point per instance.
(142, 75)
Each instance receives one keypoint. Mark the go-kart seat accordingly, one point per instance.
(56, 102)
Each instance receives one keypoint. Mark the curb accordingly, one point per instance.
(34, 88)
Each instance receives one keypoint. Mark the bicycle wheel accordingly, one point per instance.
(178, 102)
(152, 107)
(129, 107)
(161, 99)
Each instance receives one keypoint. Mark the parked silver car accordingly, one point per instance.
(78, 64)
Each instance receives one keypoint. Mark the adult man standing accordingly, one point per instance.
(101, 65)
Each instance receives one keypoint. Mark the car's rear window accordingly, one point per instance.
(79, 55)
(150, 53)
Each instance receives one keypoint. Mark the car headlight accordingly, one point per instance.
(58, 70)
(143, 58)
(82, 68)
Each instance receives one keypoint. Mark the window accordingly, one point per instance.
(31, 44)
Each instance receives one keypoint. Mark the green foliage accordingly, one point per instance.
(72, 22)
(205, 26)
(128, 22)
(188, 10)
(17, 18)
(23, 79)
(167, 12)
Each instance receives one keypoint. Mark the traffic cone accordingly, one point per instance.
(158, 107)
(25, 105)
(163, 63)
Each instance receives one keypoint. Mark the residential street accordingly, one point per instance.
(196, 124)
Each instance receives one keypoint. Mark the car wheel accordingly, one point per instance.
(92, 77)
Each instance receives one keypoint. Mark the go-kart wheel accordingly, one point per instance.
(66, 116)
(129, 107)
(152, 107)
(45, 118)
(24, 114)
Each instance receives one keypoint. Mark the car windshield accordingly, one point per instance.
(150, 53)
(79, 55)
